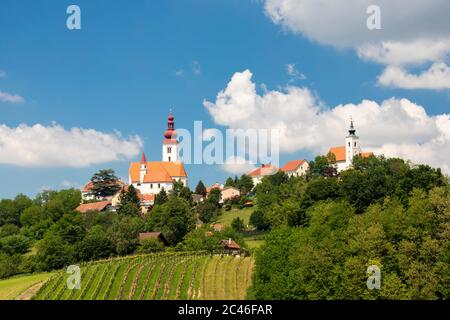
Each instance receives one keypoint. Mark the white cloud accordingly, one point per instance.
(54, 146)
(237, 165)
(305, 124)
(437, 77)
(413, 31)
(11, 98)
(2, 74)
(292, 71)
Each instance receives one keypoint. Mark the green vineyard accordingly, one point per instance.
(155, 277)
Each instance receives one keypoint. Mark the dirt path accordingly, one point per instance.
(30, 292)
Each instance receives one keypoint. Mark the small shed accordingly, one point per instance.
(153, 235)
(230, 246)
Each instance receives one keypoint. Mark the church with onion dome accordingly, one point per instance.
(150, 177)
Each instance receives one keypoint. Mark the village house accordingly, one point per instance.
(230, 193)
(295, 168)
(259, 173)
(153, 235)
(94, 207)
(230, 246)
(344, 154)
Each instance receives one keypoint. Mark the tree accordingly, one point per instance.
(32, 215)
(245, 184)
(230, 182)
(214, 196)
(130, 203)
(105, 183)
(323, 166)
(207, 211)
(200, 188)
(150, 245)
(95, 245)
(161, 197)
(238, 224)
(14, 244)
(259, 220)
(54, 253)
(174, 219)
(124, 234)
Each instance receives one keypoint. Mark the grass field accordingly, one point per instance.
(13, 287)
(156, 277)
(227, 216)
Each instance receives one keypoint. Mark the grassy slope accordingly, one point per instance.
(11, 288)
(226, 217)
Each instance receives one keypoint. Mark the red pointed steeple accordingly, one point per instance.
(143, 158)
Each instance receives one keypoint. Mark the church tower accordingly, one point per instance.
(352, 147)
(142, 168)
(170, 142)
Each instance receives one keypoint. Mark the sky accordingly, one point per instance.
(76, 101)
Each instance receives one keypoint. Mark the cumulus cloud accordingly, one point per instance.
(413, 31)
(305, 123)
(54, 146)
(437, 77)
(11, 98)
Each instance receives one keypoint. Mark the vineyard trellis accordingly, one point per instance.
(172, 275)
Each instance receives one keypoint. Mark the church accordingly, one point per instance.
(150, 177)
(344, 154)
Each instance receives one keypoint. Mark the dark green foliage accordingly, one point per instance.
(150, 246)
(54, 253)
(124, 234)
(174, 219)
(214, 196)
(238, 224)
(95, 245)
(329, 258)
(230, 182)
(105, 183)
(200, 188)
(323, 166)
(207, 211)
(161, 197)
(245, 184)
(14, 244)
(259, 220)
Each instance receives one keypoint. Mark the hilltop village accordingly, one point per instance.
(149, 178)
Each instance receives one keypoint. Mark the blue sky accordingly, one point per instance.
(119, 72)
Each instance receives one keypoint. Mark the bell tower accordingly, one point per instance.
(352, 147)
(170, 142)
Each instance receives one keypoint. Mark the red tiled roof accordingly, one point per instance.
(292, 165)
(214, 186)
(366, 154)
(230, 244)
(152, 235)
(158, 171)
(264, 170)
(339, 153)
(94, 206)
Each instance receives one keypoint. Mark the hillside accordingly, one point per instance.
(156, 277)
(11, 288)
